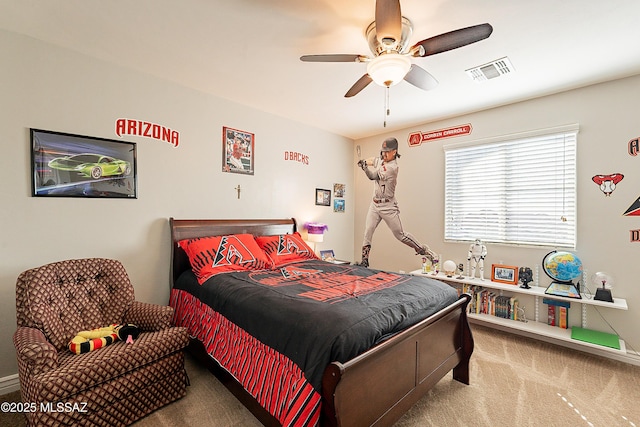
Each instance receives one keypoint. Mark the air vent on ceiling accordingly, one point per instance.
(489, 71)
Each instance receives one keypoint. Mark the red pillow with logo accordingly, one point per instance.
(285, 248)
(220, 254)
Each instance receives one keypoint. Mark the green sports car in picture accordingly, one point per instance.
(95, 166)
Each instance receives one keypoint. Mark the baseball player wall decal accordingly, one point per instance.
(383, 171)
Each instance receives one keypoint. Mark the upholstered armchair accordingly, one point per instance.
(111, 386)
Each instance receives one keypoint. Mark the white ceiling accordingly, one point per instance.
(248, 50)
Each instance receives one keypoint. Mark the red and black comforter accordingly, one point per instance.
(277, 330)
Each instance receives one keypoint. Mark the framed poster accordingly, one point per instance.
(67, 165)
(237, 151)
(323, 197)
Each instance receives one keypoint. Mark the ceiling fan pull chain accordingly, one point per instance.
(387, 110)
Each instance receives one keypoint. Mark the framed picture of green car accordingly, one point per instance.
(67, 165)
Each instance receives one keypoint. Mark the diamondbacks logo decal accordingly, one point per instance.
(634, 209)
(607, 183)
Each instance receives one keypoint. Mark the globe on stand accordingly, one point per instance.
(563, 268)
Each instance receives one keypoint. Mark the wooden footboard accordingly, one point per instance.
(379, 386)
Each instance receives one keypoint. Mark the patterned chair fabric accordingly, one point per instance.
(112, 386)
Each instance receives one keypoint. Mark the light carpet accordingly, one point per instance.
(515, 381)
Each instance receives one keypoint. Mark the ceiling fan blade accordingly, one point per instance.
(454, 39)
(358, 86)
(340, 57)
(421, 78)
(388, 22)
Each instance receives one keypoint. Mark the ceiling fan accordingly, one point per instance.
(388, 37)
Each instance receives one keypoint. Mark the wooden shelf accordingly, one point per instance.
(536, 291)
(534, 328)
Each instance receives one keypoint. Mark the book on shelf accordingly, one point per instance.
(484, 301)
(514, 308)
(563, 315)
(557, 312)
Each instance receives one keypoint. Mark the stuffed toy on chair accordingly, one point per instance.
(127, 332)
(94, 339)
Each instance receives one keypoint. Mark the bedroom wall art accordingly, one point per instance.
(339, 191)
(634, 146)
(607, 183)
(295, 156)
(417, 138)
(237, 151)
(634, 209)
(67, 165)
(148, 130)
(323, 197)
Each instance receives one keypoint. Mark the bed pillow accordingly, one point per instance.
(285, 248)
(220, 254)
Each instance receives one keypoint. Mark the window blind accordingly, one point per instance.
(518, 191)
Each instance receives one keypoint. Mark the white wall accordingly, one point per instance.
(50, 88)
(608, 118)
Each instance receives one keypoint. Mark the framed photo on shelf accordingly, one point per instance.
(237, 151)
(327, 255)
(323, 197)
(504, 274)
(67, 165)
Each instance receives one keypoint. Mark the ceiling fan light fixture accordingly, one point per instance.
(388, 69)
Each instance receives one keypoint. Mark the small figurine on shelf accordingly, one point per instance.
(525, 275)
(426, 265)
(461, 269)
(435, 265)
(477, 254)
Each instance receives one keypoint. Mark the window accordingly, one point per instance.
(516, 189)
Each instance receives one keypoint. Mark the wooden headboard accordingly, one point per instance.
(189, 228)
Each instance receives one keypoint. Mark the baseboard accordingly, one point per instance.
(9, 384)
(630, 357)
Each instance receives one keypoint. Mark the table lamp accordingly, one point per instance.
(315, 232)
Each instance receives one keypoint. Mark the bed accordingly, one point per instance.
(285, 383)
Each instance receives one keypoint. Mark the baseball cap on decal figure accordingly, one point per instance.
(390, 144)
